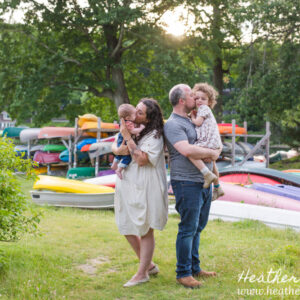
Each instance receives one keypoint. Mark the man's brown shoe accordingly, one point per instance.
(189, 282)
(204, 274)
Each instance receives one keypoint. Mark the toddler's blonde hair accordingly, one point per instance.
(211, 93)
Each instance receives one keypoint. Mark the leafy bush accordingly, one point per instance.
(16, 216)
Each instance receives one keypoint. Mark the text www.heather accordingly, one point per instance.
(269, 291)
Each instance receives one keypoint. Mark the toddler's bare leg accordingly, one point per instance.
(114, 165)
(119, 172)
(216, 172)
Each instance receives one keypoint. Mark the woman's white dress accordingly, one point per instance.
(141, 198)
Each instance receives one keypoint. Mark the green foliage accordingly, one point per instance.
(291, 163)
(16, 217)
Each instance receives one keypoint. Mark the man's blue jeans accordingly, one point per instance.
(193, 205)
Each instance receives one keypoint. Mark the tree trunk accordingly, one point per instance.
(218, 83)
(217, 63)
(120, 94)
(114, 71)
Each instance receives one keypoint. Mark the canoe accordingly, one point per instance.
(228, 129)
(279, 189)
(64, 156)
(227, 149)
(91, 201)
(81, 172)
(56, 132)
(54, 148)
(245, 179)
(247, 147)
(46, 158)
(281, 177)
(101, 148)
(86, 142)
(12, 132)
(235, 193)
(37, 148)
(29, 134)
(59, 184)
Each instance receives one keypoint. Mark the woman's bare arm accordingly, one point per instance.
(139, 156)
(122, 150)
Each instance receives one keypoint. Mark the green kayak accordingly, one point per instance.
(12, 132)
(82, 172)
(54, 148)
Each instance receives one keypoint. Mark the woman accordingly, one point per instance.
(141, 200)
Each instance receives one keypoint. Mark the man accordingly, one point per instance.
(192, 200)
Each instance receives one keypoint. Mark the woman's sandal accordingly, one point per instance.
(154, 270)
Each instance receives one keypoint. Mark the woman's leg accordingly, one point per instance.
(146, 250)
(146, 253)
(135, 243)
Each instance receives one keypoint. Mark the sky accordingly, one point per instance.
(175, 22)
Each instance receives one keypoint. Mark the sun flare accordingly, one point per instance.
(176, 22)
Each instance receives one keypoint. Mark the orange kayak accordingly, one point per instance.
(227, 129)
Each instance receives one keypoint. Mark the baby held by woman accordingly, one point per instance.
(128, 113)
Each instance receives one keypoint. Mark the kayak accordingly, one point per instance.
(280, 177)
(59, 184)
(235, 193)
(245, 179)
(86, 142)
(46, 158)
(64, 156)
(98, 149)
(94, 125)
(86, 118)
(279, 189)
(12, 132)
(56, 132)
(54, 148)
(80, 172)
(86, 148)
(225, 129)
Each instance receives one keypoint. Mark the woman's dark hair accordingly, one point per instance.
(154, 117)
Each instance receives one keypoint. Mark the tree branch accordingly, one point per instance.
(119, 44)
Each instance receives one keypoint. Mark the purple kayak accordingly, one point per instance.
(46, 158)
(279, 189)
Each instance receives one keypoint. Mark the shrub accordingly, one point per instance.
(16, 216)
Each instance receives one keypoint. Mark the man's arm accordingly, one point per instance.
(195, 152)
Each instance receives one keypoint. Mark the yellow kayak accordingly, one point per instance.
(59, 184)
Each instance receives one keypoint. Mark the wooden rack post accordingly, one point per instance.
(264, 141)
(98, 141)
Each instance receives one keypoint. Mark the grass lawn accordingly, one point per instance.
(79, 254)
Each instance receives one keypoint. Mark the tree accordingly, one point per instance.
(268, 83)
(216, 37)
(72, 47)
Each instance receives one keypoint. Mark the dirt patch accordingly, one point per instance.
(91, 265)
